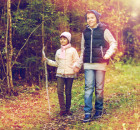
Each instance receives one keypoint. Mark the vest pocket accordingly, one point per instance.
(99, 52)
(103, 51)
(96, 52)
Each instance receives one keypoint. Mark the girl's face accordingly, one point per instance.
(63, 41)
(91, 20)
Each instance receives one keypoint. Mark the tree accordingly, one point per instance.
(22, 44)
(9, 47)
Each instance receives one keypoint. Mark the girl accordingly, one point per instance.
(65, 59)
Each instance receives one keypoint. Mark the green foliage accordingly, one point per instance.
(60, 16)
(24, 22)
(122, 84)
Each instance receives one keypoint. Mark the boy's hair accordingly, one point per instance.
(97, 15)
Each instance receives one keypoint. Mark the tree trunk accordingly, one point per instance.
(6, 51)
(9, 48)
(10, 45)
(118, 28)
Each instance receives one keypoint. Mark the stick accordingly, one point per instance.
(46, 76)
(112, 63)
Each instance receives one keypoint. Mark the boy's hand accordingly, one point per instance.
(106, 57)
(76, 69)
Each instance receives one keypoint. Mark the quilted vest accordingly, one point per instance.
(95, 45)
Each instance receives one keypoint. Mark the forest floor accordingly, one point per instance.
(30, 110)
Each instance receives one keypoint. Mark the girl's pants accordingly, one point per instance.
(67, 82)
(94, 79)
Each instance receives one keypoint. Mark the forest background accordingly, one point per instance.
(27, 25)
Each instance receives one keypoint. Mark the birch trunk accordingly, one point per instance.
(9, 48)
(6, 51)
(10, 45)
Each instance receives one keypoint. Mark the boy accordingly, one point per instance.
(97, 46)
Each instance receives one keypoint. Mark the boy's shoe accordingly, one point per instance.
(68, 112)
(62, 113)
(87, 118)
(98, 114)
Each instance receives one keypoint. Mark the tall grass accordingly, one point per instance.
(121, 96)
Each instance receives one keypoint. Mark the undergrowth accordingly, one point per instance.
(29, 110)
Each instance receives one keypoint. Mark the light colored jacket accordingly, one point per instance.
(65, 66)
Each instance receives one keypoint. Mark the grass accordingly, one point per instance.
(121, 105)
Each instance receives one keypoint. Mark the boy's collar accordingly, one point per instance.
(93, 28)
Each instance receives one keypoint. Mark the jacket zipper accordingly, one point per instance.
(91, 46)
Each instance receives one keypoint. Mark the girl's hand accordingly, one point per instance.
(76, 69)
(45, 59)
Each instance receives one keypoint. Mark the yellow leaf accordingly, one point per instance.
(136, 115)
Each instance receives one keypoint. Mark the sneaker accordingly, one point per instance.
(62, 113)
(98, 114)
(68, 112)
(87, 118)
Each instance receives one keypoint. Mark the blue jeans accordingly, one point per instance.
(94, 79)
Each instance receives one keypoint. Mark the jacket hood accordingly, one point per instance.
(97, 15)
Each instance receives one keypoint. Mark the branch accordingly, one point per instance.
(25, 43)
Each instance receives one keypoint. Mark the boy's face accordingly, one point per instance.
(63, 41)
(91, 20)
